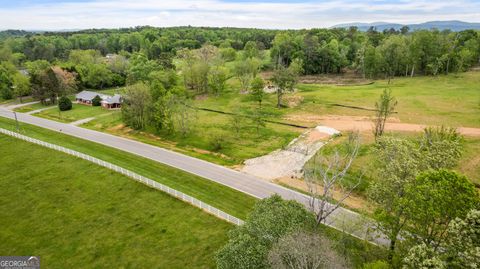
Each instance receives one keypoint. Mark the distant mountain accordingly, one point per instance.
(440, 25)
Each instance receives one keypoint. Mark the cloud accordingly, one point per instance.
(80, 14)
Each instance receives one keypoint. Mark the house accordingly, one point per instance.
(112, 102)
(108, 101)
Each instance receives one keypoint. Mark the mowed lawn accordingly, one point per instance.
(32, 107)
(78, 112)
(231, 201)
(75, 214)
(452, 100)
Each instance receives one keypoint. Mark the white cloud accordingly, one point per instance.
(126, 13)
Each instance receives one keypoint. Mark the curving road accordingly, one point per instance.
(342, 219)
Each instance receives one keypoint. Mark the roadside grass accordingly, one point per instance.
(212, 138)
(451, 100)
(231, 201)
(75, 214)
(77, 112)
(15, 101)
(32, 107)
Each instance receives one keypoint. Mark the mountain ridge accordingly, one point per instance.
(454, 25)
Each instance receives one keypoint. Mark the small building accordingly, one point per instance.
(107, 101)
(112, 102)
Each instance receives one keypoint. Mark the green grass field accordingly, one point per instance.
(233, 202)
(75, 214)
(77, 112)
(452, 100)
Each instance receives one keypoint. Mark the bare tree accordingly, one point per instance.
(384, 108)
(300, 250)
(326, 175)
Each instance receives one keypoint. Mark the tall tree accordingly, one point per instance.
(384, 107)
(285, 80)
(136, 106)
(435, 199)
(327, 173)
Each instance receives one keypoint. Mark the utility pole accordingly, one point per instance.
(16, 121)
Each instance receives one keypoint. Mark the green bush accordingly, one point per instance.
(96, 101)
(64, 104)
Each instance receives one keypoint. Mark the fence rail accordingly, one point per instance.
(149, 182)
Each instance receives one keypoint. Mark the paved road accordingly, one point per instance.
(343, 219)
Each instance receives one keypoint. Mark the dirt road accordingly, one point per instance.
(346, 123)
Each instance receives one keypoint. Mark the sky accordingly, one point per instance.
(270, 14)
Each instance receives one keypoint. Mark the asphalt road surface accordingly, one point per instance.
(342, 219)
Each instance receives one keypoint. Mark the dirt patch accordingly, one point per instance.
(201, 96)
(346, 77)
(117, 128)
(365, 124)
(355, 202)
(288, 162)
(293, 100)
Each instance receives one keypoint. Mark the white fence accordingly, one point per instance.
(177, 194)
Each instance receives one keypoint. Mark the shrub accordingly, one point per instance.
(64, 104)
(217, 143)
(96, 101)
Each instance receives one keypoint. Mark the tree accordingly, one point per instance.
(271, 218)
(285, 80)
(96, 101)
(251, 50)
(435, 199)
(384, 107)
(21, 85)
(305, 250)
(257, 91)
(325, 174)
(183, 114)
(258, 119)
(246, 71)
(45, 85)
(441, 147)
(459, 250)
(64, 103)
(136, 106)
(462, 244)
(217, 80)
(6, 84)
(140, 68)
(398, 162)
(422, 257)
(237, 122)
(66, 81)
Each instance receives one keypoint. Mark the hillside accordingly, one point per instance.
(440, 25)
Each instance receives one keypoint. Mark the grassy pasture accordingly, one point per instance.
(231, 201)
(452, 100)
(74, 214)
